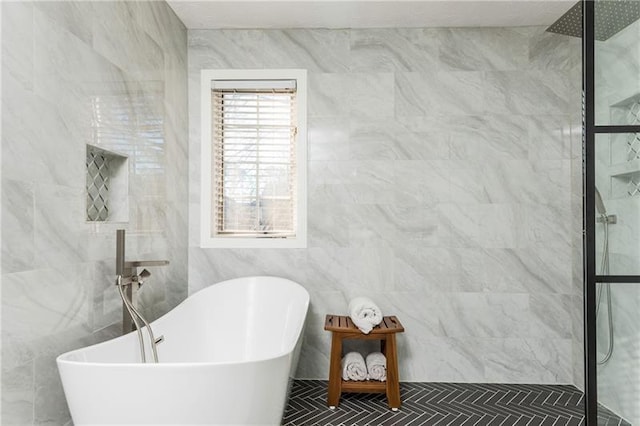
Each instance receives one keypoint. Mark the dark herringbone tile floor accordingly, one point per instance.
(436, 404)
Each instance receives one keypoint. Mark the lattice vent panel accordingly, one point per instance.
(97, 186)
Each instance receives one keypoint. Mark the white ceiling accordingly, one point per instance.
(367, 13)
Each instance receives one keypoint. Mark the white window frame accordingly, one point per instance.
(207, 237)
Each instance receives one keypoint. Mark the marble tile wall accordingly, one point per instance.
(617, 70)
(113, 74)
(441, 168)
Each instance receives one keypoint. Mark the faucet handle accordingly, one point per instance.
(142, 263)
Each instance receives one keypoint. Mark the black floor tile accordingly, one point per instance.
(454, 404)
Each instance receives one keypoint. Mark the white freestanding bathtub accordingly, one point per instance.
(228, 353)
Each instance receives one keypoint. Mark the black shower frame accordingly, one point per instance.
(590, 129)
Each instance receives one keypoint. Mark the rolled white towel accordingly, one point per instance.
(377, 366)
(354, 367)
(364, 313)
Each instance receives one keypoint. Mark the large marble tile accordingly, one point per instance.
(447, 359)
(521, 181)
(425, 269)
(471, 49)
(59, 214)
(226, 49)
(488, 137)
(105, 303)
(317, 50)
(18, 394)
(393, 49)
(75, 17)
(17, 44)
(553, 51)
(466, 182)
(314, 347)
(371, 95)
(527, 360)
(27, 120)
(460, 224)
(18, 243)
(161, 23)
(328, 138)
(527, 92)
(369, 181)
(442, 93)
(140, 56)
(50, 403)
(550, 137)
(531, 270)
(419, 182)
(535, 229)
(394, 140)
(328, 95)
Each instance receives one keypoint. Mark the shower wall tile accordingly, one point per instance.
(76, 73)
(439, 176)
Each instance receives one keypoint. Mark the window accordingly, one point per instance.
(253, 158)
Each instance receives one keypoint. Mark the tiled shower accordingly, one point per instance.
(445, 182)
(617, 177)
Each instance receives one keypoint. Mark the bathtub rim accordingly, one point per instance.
(60, 359)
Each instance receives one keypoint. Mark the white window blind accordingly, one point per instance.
(254, 158)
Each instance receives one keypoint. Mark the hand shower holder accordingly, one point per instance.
(610, 219)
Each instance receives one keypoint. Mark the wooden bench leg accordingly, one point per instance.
(335, 373)
(393, 383)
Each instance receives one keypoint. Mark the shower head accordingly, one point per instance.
(612, 16)
(600, 204)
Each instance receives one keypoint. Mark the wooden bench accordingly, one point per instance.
(341, 327)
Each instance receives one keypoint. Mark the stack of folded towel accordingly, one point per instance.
(377, 366)
(365, 314)
(354, 367)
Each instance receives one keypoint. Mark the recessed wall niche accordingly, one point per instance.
(107, 186)
(625, 149)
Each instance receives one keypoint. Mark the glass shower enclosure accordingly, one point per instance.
(611, 42)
